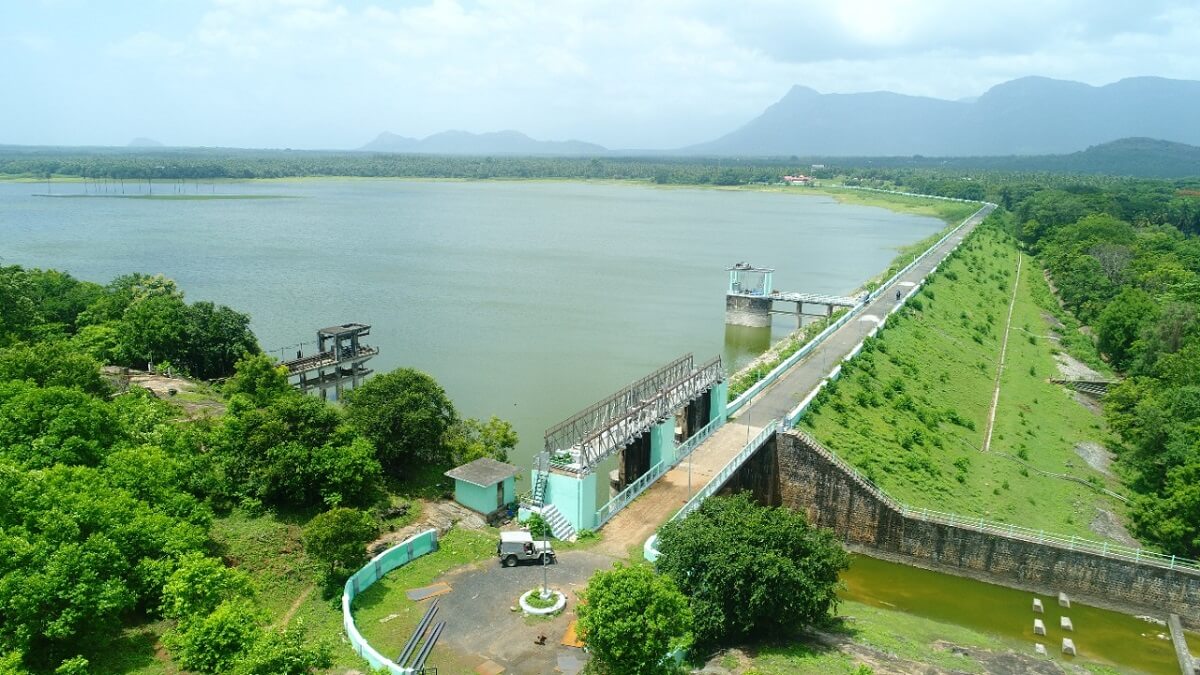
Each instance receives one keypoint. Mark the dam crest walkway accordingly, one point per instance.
(708, 466)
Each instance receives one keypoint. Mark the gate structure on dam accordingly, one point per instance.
(650, 424)
(339, 364)
(751, 299)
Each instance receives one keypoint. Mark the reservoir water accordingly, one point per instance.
(527, 300)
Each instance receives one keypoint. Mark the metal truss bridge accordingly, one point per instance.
(604, 428)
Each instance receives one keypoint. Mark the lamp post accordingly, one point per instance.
(545, 533)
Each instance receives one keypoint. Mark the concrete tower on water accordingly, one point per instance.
(748, 299)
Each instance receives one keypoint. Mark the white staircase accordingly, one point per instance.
(559, 526)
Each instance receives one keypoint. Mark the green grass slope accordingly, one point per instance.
(911, 411)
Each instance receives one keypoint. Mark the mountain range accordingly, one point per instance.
(465, 143)
(1027, 116)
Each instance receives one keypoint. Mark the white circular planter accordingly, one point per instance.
(554, 609)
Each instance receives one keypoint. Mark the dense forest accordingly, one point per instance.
(1130, 157)
(107, 497)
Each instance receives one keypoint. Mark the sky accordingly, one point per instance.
(332, 74)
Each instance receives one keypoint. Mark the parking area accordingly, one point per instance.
(480, 622)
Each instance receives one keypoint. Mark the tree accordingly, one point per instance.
(471, 439)
(406, 414)
(211, 644)
(295, 451)
(331, 474)
(199, 585)
(748, 569)
(18, 311)
(77, 555)
(284, 652)
(61, 298)
(1121, 322)
(217, 337)
(123, 292)
(338, 538)
(154, 330)
(52, 363)
(1171, 517)
(40, 427)
(73, 666)
(632, 619)
(258, 377)
(102, 342)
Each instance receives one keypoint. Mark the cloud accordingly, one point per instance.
(146, 44)
(625, 73)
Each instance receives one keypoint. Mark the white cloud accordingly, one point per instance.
(626, 73)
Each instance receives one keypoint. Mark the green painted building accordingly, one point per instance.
(484, 485)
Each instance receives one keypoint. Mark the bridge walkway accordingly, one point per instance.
(633, 525)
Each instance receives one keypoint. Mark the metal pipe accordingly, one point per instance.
(416, 636)
(419, 662)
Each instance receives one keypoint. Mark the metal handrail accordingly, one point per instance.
(697, 438)
(726, 471)
(1009, 530)
(636, 488)
(790, 361)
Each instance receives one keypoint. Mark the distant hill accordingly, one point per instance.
(1028, 116)
(143, 142)
(465, 143)
(1140, 157)
(1131, 157)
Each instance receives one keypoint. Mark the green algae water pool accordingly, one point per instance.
(1109, 638)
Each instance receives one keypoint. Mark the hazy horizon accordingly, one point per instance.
(319, 74)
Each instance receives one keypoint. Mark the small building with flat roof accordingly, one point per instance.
(484, 485)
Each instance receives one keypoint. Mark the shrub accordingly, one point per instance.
(748, 569)
(632, 619)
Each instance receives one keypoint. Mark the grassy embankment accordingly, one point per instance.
(952, 213)
(911, 412)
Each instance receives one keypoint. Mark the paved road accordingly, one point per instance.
(481, 627)
(629, 529)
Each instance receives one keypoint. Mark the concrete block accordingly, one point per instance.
(1063, 600)
(1068, 647)
(1039, 649)
(1065, 623)
(1037, 605)
(1039, 628)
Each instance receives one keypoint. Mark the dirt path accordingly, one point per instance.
(287, 616)
(991, 425)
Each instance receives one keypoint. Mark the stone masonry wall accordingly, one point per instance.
(810, 480)
(759, 475)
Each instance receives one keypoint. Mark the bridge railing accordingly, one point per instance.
(1009, 530)
(785, 365)
(637, 487)
(697, 438)
(915, 261)
(1071, 543)
(737, 403)
(731, 467)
